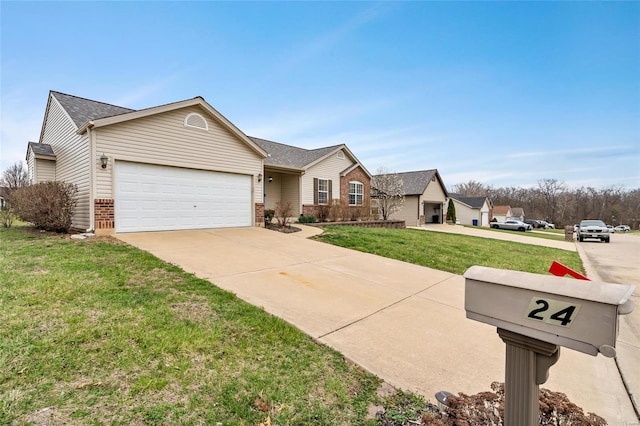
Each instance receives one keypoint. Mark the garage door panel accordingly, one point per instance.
(150, 198)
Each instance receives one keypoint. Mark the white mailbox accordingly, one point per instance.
(580, 315)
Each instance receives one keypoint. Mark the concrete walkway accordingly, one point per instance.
(403, 322)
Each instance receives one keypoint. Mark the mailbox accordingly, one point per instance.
(580, 315)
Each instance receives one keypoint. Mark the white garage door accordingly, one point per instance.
(159, 198)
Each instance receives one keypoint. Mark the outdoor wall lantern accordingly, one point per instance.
(104, 161)
(259, 177)
(270, 179)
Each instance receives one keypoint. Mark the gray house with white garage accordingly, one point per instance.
(472, 210)
(181, 165)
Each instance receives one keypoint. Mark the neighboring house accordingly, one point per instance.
(470, 209)
(501, 213)
(425, 198)
(312, 178)
(181, 165)
(517, 213)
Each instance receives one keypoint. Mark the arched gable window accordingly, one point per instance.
(196, 120)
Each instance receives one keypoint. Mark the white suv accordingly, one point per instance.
(596, 229)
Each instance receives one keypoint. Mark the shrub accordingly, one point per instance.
(334, 210)
(322, 210)
(47, 205)
(283, 213)
(355, 213)
(7, 217)
(307, 219)
(451, 211)
(345, 211)
(268, 216)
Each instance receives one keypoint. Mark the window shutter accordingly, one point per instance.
(315, 190)
(330, 197)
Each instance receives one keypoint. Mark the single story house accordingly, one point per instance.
(517, 213)
(309, 178)
(425, 198)
(501, 213)
(181, 165)
(470, 209)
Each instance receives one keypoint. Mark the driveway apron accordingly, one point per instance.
(403, 322)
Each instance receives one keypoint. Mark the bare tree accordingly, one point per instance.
(550, 190)
(14, 177)
(388, 189)
(470, 189)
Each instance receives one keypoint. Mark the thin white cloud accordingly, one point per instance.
(325, 42)
(147, 91)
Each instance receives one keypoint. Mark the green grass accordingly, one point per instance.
(549, 234)
(103, 333)
(449, 252)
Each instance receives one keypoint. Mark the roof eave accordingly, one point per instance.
(107, 121)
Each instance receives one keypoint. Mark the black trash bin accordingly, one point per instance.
(475, 222)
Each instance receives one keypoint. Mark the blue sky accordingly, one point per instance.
(504, 93)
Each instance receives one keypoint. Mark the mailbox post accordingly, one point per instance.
(535, 315)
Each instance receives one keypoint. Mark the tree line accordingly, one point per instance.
(552, 200)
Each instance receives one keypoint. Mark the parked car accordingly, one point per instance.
(611, 229)
(512, 225)
(547, 225)
(622, 228)
(595, 229)
(534, 223)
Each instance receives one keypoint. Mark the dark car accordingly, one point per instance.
(534, 223)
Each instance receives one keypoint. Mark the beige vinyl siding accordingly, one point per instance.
(290, 193)
(45, 170)
(409, 212)
(329, 168)
(31, 166)
(273, 190)
(434, 192)
(72, 158)
(466, 214)
(163, 139)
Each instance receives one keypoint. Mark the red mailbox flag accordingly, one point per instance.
(561, 270)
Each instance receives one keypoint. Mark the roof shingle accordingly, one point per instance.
(82, 110)
(41, 149)
(288, 156)
(474, 202)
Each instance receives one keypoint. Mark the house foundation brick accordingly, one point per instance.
(259, 208)
(104, 213)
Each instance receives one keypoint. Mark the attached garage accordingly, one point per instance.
(159, 198)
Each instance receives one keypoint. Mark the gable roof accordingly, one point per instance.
(292, 157)
(87, 113)
(82, 110)
(41, 149)
(295, 158)
(517, 211)
(415, 183)
(501, 210)
(473, 202)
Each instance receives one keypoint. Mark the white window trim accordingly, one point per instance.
(186, 121)
(324, 192)
(355, 194)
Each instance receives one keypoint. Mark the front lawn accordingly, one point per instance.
(97, 332)
(449, 252)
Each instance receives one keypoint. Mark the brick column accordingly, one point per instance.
(104, 213)
(259, 208)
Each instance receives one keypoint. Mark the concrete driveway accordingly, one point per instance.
(403, 322)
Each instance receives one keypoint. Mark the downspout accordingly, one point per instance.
(92, 177)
